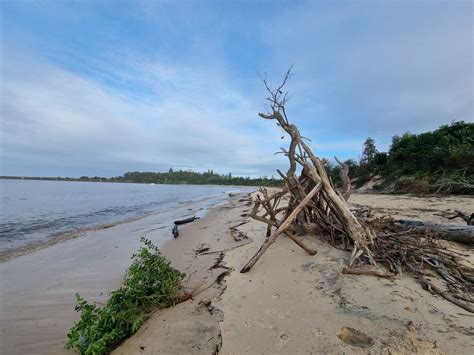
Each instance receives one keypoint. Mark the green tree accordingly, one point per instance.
(369, 152)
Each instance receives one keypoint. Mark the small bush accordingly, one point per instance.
(150, 282)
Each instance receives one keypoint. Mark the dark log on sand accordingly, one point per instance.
(452, 232)
(175, 230)
(186, 220)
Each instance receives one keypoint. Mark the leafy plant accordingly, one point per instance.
(150, 282)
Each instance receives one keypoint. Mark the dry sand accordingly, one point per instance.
(291, 302)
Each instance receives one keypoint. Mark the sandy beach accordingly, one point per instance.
(295, 303)
(289, 303)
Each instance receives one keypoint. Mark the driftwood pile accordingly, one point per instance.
(309, 204)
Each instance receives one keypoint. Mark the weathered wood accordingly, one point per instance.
(377, 273)
(434, 289)
(397, 247)
(469, 219)
(452, 232)
(301, 244)
(185, 220)
(280, 229)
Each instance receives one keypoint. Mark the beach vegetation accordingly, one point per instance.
(149, 283)
(439, 161)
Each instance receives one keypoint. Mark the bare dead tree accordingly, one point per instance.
(313, 204)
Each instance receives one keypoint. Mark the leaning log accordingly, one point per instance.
(452, 232)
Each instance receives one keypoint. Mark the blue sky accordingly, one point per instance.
(105, 87)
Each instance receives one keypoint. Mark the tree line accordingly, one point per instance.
(439, 161)
(196, 178)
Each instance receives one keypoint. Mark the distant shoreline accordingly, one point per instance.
(67, 179)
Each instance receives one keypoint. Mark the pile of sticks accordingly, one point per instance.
(309, 204)
(314, 204)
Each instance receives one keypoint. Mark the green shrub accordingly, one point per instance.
(150, 282)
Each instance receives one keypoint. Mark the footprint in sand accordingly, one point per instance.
(284, 338)
(354, 337)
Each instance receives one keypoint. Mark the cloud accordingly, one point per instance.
(52, 118)
(89, 88)
(378, 68)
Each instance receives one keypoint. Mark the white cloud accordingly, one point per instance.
(196, 120)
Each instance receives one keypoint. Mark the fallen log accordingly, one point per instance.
(452, 232)
(185, 220)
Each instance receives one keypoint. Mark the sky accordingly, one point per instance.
(99, 88)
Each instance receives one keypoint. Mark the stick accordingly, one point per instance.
(280, 229)
(430, 287)
(300, 243)
(347, 270)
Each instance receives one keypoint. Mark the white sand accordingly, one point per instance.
(291, 302)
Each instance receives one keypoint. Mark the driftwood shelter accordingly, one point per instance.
(315, 207)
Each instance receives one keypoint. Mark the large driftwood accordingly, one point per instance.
(309, 204)
(312, 197)
(185, 220)
(452, 232)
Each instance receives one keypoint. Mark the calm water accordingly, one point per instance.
(32, 211)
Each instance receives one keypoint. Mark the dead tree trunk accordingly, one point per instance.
(452, 232)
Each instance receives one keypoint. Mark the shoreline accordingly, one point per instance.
(37, 294)
(51, 240)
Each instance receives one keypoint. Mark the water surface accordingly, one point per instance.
(33, 211)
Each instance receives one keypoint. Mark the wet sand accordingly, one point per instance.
(37, 289)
